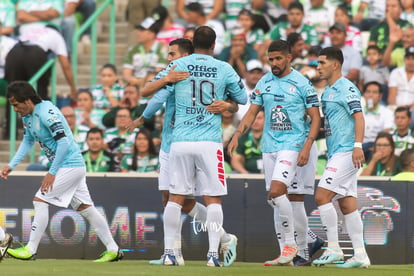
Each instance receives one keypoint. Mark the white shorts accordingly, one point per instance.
(197, 168)
(69, 188)
(279, 166)
(163, 177)
(304, 180)
(340, 175)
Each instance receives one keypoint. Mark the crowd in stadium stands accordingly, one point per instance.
(376, 38)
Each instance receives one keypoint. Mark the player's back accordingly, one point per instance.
(209, 80)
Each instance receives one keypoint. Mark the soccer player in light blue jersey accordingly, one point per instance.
(344, 131)
(65, 182)
(196, 153)
(286, 96)
(179, 48)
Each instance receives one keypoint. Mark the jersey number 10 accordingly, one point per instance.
(204, 90)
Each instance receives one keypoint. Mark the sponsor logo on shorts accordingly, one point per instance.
(286, 162)
(331, 169)
(220, 167)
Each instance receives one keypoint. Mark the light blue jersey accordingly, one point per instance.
(209, 80)
(285, 101)
(156, 102)
(47, 125)
(339, 102)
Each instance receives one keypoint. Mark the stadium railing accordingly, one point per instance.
(91, 22)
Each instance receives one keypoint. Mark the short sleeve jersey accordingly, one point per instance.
(209, 80)
(46, 38)
(45, 125)
(285, 101)
(308, 32)
(148, 163)
(142, 62)
(100, 100)
(339, 102)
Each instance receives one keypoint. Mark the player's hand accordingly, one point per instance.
(303, 158)
(358, 158)
(176, 76)
(218, 107)
(5, 172)
(234, 143)
(136, 123)
(47, 183)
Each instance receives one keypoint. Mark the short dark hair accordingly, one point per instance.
(333, 53)
(372, 83)
(184, 45)
(110, 66)
(22, 91)
(403, 109)
(279, 46)
(196, 7)
(406, 157)
(293, 38)
(86, 91)
(204, 38)
(374, 47)
(295, 5)
(94, 130)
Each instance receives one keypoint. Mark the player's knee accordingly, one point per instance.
(320, 199)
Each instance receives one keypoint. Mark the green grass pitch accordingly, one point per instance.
(194, 268)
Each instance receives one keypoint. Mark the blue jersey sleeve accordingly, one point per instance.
(53, 122)
(352, 100)
(235, 88)
(311, 98)
(156, 103)
(23, 150)
(61, 150)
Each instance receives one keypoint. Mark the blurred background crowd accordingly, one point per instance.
(376, 38)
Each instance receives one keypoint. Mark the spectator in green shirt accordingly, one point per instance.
(407, 163)
(96, 158)
(248, 156)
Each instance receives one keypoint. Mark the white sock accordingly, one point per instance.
(39, 224)
(172, 221)
(2, 234)
(354, 226)
(301, 227)
(199, 212)
(286, 217)
(311, 237)
(98, 222)
(329, 219)
(280, 235)
(177, 241)
(214, 223)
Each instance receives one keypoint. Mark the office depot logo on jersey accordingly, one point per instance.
(202, 71)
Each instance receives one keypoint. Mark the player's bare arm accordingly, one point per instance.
(358, 155)
(244, 127)
(303, 156)
(173, 76)
(136, 123)
(222, 106)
